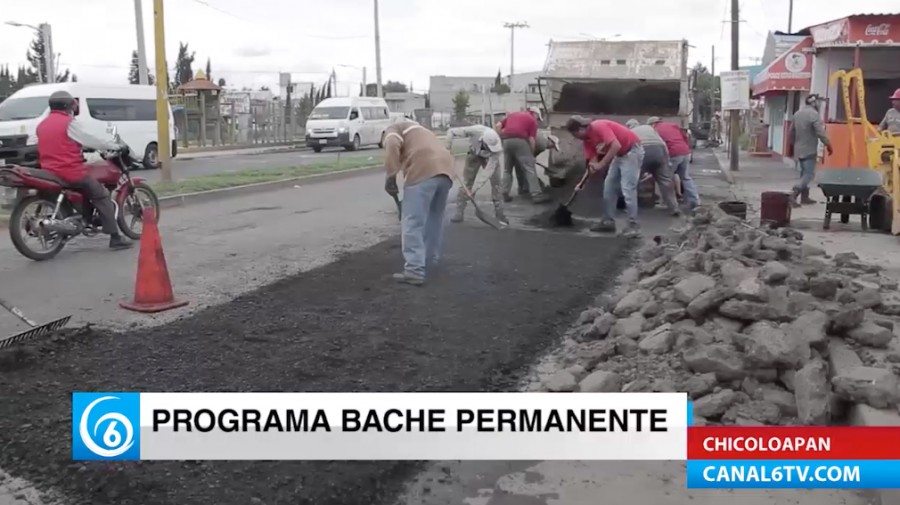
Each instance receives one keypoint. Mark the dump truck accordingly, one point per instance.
(616, 80)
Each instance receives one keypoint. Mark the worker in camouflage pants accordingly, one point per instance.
(485, 148)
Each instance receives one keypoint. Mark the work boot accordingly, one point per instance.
(805, 199)
(507, 198)
(458, 216)
(498, 213)
(604, 227)
(540, 198)
(408, 278)
(794, 195)
(524, 191)
(633, 230)
(117, 242)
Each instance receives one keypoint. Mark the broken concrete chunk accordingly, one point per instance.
(774, 272)
(691, 287)
(888, 309)
(714, 404)
(689, 260)
(626, 346)
(600, 382)
(871, 334)
(630, 327)
(798, 282)
(868, 298)
(811, 327)
(561, 381)
(768, 346)
(592, 353)
(659, 341)
(743, 310)
(845, 258)
(602, 325)
(760, 411)
(809, 250)
(708, 301)
(723, 360)
(589, 315)
(577, 371)
(734, 272)
(655, 281)
(650, 308)
(700, 384)
(845, 295)
(785, 400)
(824, 287)
(846, 318)
(813, 394)
(875, 387)
(752, 289)
(672, 315)
(632, 302)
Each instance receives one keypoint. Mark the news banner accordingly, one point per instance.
(479, 426)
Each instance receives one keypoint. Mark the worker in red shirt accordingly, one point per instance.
(610, 144)
(679, 156)
(519, 133)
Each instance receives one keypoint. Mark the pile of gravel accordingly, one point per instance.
(750, 322)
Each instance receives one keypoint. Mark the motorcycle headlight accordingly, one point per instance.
(31, 141)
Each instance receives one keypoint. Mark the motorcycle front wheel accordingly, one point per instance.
(131, 212)
(27, 236)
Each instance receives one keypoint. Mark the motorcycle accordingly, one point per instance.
(52, 212)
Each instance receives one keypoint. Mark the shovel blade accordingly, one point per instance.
(562, 217)
(37, 331)
(486, 219)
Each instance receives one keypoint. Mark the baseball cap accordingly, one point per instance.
(493, 143)
(631, 123)
(537, 112)
(653, 120)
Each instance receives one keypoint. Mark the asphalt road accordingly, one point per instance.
(234, 162)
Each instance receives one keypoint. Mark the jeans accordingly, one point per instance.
(423, 222)
(680, 167)
(624, 175)
(656, 163)
(807, 173)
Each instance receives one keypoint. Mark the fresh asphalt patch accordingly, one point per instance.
(498, 299)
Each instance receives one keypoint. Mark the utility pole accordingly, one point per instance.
(141, 50)
(712, 98)
(379, 91)
(162, 93)
(47, 38)
(512, 49)
(790, 15)
(365, 84)
(734, 132)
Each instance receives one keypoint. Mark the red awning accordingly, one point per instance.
(791, 71)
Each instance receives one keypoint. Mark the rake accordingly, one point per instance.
(35, 331)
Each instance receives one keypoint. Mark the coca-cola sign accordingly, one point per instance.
(881, 30)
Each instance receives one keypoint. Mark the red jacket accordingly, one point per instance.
(57, 153)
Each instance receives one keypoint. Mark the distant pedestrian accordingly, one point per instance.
(891, 121)
(679, 147)
(656, 163)
(427, 168)
(808, 129)
(519, 132)
(608, 144)
(485, 149)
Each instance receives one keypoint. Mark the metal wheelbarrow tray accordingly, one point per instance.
(848, 191)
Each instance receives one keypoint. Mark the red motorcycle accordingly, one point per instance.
(51, 214)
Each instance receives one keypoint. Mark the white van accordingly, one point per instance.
(348, 122)
(129, 108)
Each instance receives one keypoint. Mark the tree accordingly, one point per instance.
(460, 105)
(7, 84)
(38, 63)
(134, 74)
(395, 87)
(208, 69)
(221, 82)
(184, 65)
(707, 98)
(499, 86)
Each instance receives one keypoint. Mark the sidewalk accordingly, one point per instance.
(757, 175)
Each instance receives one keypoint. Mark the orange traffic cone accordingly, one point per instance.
(153, 289)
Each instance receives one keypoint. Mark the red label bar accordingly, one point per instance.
(793, 442)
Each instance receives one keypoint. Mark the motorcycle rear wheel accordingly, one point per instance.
(22, 227)
(133, 209)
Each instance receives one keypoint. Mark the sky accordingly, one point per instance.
(250, 41)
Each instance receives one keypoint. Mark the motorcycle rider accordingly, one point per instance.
(60, 142)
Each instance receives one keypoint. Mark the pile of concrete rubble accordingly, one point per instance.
(756, 326)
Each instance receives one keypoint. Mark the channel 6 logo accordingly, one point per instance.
(106, 426)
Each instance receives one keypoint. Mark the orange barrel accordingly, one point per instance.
(775, 208)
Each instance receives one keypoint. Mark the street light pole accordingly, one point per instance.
(162, 93)
(378, 54)
(143, 76)
(512, 49)
(47, 38)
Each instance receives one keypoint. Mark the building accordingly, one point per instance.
(870, 42)
(405, 103)
(482, 101)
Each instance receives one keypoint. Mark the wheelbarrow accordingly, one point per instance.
(848, 191)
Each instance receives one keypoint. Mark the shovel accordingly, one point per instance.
(562, 216)
(35, 331)
(484, 218)
(399, 207)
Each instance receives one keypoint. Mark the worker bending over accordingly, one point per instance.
(610, 144)
(543, 142)
(656, 163)
(485, 149)
(679, 156)
(807, 129)
(519, 133)
(427, 169)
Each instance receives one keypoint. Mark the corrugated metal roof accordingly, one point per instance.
(597, 59)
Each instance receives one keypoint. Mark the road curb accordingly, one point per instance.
(250, 151)
(262, 187)
(842, 357)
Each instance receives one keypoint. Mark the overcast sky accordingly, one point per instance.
(250, 41)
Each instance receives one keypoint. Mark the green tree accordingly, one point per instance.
(134, 74)
(395, 87)
(221, 82)
(707, 94)
(499, 86)
(460, 105)
(38, 68)
(208, 70)
(184, 65)
(7, 84)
